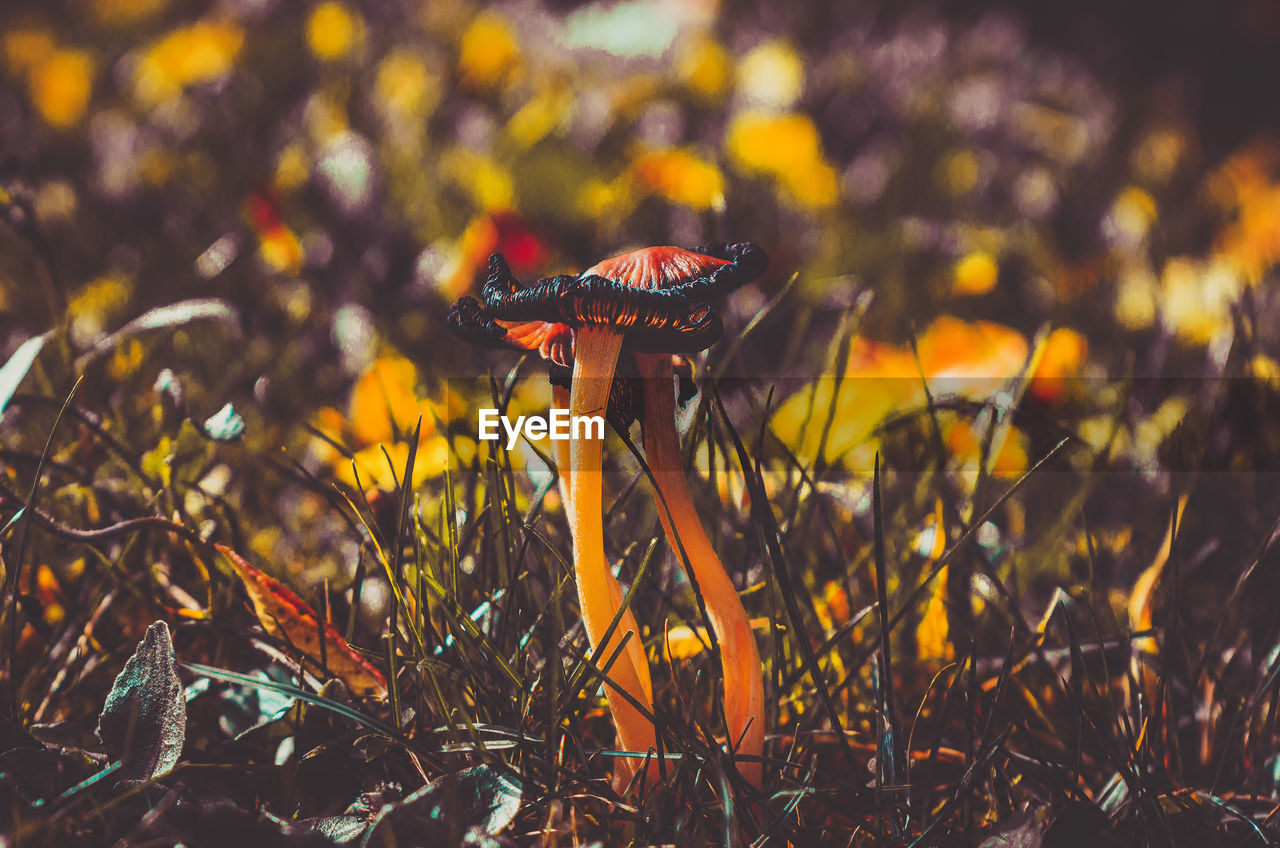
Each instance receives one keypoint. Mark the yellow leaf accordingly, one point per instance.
(970, 360)
(973, 359)
(832, 606)
(376, 472)
(384, 402)
(932, 635)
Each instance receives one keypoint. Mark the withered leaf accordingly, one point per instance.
(284, 614)
(341, 828)
(463, 808)
(144, 719)
(1022, 830)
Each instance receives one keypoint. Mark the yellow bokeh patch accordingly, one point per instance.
(975, 274)
(126, 11)
(489, 184)
(488, 51)
(788, 148)
(195, 54)
(280, 249)
(1065, 352)
(965, 444)
(703, 66)
(60, 85)
(1197, 298)
(404, 87)
(293, 167)
(681, 176)
(541, 116)
(333, 31)
(24, 48)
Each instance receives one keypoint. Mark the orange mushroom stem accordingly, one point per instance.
(739, 656)
(560, 400)
(599, 595)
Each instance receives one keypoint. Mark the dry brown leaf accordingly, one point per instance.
(286, 615)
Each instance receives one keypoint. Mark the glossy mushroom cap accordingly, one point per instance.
(657, 296)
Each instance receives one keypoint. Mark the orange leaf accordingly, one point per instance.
(286, 615)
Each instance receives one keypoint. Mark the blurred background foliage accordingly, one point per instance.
(1092, 192)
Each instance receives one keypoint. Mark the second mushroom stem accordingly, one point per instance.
(560, 400)
(739, 656)
(599, 595)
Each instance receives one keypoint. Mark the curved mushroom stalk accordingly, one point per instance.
(599, 595)
(560, 448)
(739, 656)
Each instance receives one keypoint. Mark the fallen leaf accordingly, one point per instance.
(458, 809)
(284, 614)
(341, 829)
(1023, 830)
(144, 720)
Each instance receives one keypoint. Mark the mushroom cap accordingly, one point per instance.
(656, 296)
(655, 267)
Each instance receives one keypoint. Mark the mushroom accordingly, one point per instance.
(653, 300)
